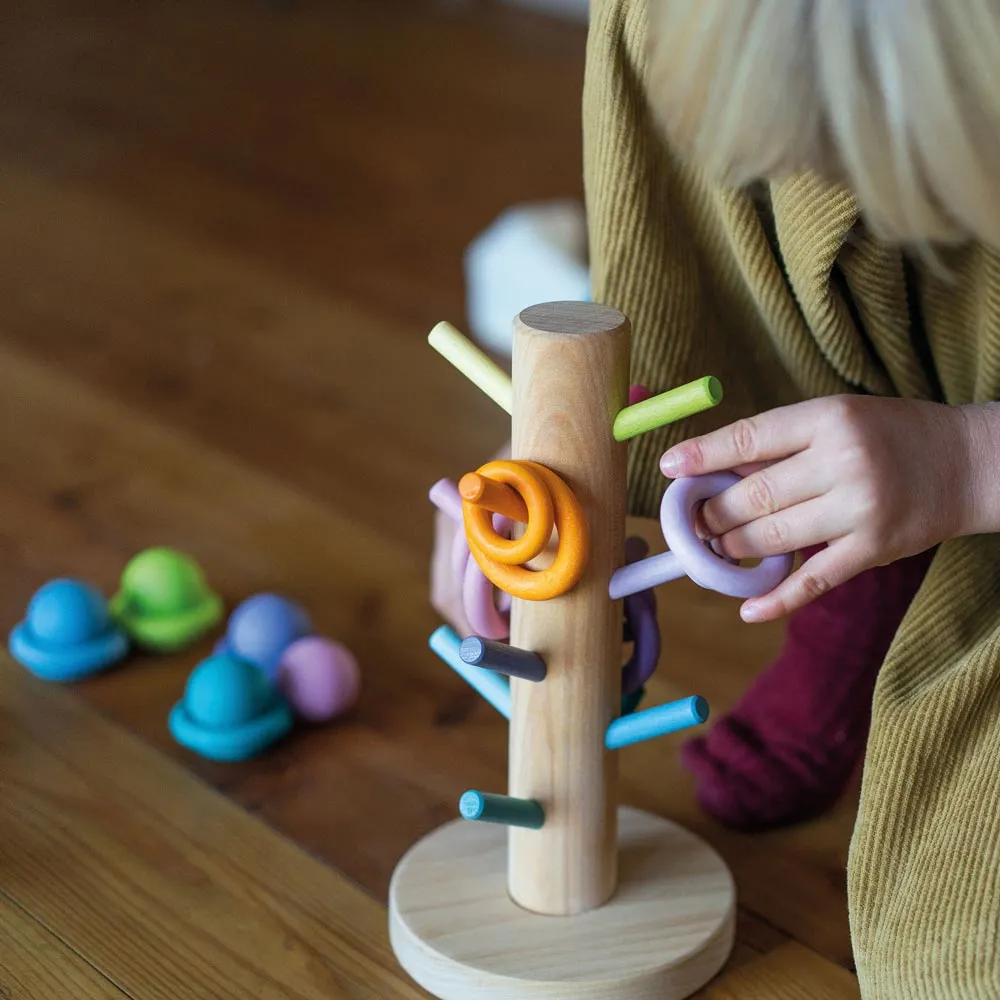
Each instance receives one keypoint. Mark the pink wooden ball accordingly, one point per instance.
(319, 678)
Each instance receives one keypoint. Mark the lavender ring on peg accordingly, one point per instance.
(459, 556)
(641, 628)
(486, 607)
(677, 516)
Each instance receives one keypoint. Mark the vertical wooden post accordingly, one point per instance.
(570, 374)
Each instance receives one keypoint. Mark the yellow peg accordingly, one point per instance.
(473, 364)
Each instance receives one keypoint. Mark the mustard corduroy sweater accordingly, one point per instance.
(799, 301)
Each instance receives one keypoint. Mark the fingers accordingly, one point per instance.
(769, 436)
(763, 493)
(829, 568)
(801, 526)
(751, 468)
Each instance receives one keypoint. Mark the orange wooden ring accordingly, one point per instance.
(551, 503)
(541, 517)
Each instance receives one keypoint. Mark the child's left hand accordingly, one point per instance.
(876, 479)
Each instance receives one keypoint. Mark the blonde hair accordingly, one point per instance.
(897, 99)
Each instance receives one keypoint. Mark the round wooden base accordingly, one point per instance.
(667, 930)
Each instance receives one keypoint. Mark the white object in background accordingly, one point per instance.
(531, 253)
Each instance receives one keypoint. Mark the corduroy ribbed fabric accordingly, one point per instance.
(806, 303)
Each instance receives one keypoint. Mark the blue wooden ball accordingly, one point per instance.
(65, 613)
(225, 691)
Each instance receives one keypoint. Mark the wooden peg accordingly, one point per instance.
(494, 496)
(503, 659)
(446, 643)
(657, 721)
(487, 807)
(473, 363)
(668, 407)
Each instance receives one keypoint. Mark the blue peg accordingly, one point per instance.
(494, 688)
(657, 721)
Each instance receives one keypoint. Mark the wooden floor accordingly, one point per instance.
(226, 229)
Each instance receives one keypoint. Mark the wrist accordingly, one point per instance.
(981, 456)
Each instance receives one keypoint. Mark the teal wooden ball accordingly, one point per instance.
(225, 691)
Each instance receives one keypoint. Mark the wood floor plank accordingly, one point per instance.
(352, 408)
(790, 972)
(357, 143)
(36, 964)
(170, 890)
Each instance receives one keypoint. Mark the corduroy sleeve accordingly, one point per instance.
(672, 252)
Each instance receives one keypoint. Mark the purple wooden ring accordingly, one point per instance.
(480, 606)
(459, 555)
(642, 626)
(486, 607)
(640, 613)
(700, 563)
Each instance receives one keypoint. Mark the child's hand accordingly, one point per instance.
(876, 479)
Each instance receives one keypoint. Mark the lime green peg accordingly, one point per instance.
(668, 407)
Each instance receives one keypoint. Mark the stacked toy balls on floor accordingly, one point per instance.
(269, 668)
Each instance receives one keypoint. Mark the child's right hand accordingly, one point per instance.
(868, 479)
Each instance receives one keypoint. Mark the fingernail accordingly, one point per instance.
(670, 464)
(750, 612)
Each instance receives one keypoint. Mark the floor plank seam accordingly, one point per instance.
(52, 932)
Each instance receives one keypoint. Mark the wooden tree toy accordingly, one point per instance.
(553, 890)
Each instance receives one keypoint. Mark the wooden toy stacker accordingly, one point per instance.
(562, 893)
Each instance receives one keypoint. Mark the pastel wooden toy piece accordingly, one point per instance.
(641, 628)
(319, 678)
(592, 900)
(487, 807)
(689, 556)
(644, 631)
(668, 407)
(631, 702)
(229, 711)
(472, 363)
(502, 659)
(262, 628)
(486, 607)
(637, 393)
(163, 602)
(491, 686)
(67, 633)
(491, 495)
(456, 929)
(657, 721)
(550, 503)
